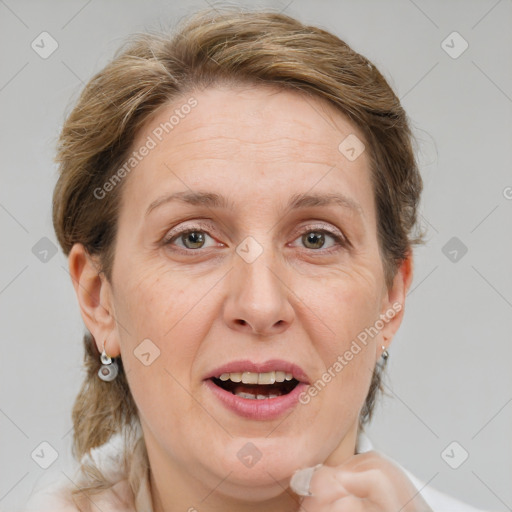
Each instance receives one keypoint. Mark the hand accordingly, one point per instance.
(367, 482)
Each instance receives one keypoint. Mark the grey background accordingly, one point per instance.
(449, 372)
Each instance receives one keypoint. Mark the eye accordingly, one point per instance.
(195, 237)
(316, 239)
(192, 238)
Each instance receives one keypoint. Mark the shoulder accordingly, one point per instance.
(52, 492)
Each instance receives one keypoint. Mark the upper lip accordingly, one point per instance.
(246, 365)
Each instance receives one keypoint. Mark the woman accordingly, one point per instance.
(238, 203)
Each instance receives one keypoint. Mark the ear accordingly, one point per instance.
(393, 302)
(94, 294)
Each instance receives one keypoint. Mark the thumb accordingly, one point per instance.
(301, 480)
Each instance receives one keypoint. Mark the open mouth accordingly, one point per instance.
(277, 385)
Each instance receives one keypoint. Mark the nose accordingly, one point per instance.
(258, 299)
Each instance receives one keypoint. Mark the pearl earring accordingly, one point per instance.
(385, 353)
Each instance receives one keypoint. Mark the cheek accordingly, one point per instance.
(153, 301)
(150, 312)
(344, 307)
(165, 314)
(349, 307)
(345, 382)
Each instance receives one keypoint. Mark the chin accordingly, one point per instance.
(262, 482)
(261, 468)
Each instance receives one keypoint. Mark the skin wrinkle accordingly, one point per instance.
(191, 168)
(295, 306)
(271, 148)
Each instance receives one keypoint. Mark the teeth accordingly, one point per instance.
(235, 377)
(250, 396)
(246, 395)
(250, 378)
(280, 376)
(266, 378)
(257, 378)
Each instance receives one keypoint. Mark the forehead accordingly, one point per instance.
(260, 139)
(231, 119)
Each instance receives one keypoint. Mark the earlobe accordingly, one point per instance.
(94, 296)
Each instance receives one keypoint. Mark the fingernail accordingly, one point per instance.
(301, 480)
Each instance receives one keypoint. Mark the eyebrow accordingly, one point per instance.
(297, 201)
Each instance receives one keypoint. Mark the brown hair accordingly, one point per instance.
(231, 47)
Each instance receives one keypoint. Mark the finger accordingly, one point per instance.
(371, 486)
(325, 487)
(364, 484)
(352, 504)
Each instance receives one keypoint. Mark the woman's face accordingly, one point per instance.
(271, 277)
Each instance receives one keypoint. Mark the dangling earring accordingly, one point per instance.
(385, 353)
(109, 369)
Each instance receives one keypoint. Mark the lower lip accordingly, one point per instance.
(257, 409)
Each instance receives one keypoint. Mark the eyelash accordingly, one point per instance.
(339, 241)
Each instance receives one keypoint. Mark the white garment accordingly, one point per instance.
(51, 493)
